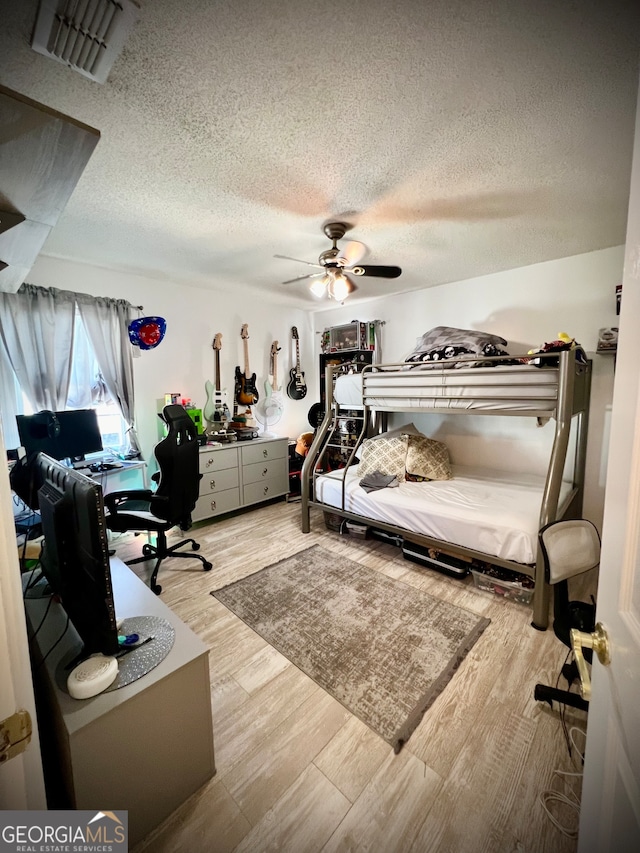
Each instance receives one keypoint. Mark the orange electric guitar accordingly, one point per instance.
(246, 391)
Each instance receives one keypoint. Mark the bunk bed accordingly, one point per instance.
(488, 516)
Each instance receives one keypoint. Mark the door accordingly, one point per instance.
(610, 812)
(21, 778)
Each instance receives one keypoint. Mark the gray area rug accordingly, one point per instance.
(382, 648)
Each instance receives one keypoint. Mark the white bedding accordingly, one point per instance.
(505, 387)
(496, 513)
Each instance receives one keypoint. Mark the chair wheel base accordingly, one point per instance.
(155, 587)
(207, 566)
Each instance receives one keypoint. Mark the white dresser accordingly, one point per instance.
(240, 474)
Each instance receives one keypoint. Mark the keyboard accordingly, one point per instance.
(99, 467)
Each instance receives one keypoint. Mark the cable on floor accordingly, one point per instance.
(571, 799)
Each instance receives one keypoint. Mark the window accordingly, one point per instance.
(88, 390)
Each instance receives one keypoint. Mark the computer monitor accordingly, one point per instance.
(61, 435)
(75, 558)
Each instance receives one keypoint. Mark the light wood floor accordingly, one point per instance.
(297, 772)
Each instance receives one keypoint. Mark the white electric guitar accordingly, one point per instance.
(216, 410)
(273, 403)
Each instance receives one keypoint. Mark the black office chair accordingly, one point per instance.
(569, 548)
(173, 501)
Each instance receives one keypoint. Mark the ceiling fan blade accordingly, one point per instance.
(302, 277)
(379, 271)
(351, 254)
(287, 258)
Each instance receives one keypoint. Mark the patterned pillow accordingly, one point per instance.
(385, 455)
(405, 429)
(427, 459)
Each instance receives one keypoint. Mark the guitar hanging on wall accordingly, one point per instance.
(269, 411)
(246, 392)
(216, 411)
(273, 402)
(297, 387)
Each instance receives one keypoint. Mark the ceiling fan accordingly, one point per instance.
(335, 263)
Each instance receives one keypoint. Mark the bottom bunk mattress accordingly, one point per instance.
(495, 513)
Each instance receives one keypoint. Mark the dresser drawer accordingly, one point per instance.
(218, 480)
(262, 491)
(218, 460)
(215, 504)
(260, 471)
(265, 452)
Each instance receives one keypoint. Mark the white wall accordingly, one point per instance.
(527, 306)
(185, 359)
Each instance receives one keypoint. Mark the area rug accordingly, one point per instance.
(382, 648)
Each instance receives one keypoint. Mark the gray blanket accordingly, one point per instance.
(375, 481)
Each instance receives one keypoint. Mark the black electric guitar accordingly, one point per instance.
(246, 391)
(297, 387)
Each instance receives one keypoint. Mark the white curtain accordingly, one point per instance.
(36, 334)
(37, 341)
(106, 322)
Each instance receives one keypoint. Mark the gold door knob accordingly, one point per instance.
(599, 642)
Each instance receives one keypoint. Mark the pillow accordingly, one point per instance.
(407, 429)
(444, 343)
(384, 455)
(427, 459)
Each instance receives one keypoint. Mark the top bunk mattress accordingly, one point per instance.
(504, 388)
(495, 513)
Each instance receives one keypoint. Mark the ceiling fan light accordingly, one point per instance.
(319, 286)
(339, 287)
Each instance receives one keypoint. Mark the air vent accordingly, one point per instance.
(87, 35)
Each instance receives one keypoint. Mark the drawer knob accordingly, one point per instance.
(213, 504)
(265, 453)
(265, 491)
(265, 471)
(209, 462)
(212, 484)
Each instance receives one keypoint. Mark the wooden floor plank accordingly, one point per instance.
(351, 758)
(302, 820)
(389, 813)
(209, 820)
(244, 728)
(274, 764)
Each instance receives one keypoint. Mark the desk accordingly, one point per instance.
(132, 475)
(144, 748)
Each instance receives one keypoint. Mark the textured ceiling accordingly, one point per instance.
(459, 137)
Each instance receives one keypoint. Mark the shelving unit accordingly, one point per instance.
(346, 429)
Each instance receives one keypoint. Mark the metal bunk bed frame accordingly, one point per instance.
(570, 399)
